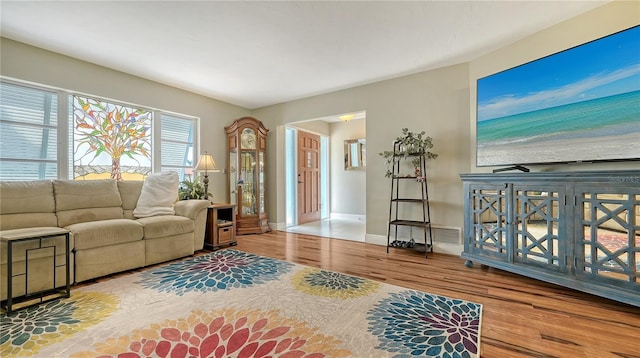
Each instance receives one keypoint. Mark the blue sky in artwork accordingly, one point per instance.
(601, 68)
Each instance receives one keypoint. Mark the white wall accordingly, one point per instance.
(435, 101)
(315, 127)
(27, 63)
(348, 187)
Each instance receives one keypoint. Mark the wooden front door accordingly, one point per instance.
(308, 177)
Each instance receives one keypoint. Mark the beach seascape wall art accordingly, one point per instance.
(579, 105)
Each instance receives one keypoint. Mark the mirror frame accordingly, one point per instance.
(355, 153)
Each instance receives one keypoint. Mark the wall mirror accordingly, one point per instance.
(355, 154)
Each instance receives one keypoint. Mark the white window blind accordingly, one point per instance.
(177, 135)
(28, 133)
(37, 127)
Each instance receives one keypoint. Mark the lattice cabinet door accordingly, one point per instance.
(487, 229)
(607, 232)
(576, 229)
(539, 235)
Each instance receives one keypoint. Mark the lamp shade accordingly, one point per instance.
(206, 163)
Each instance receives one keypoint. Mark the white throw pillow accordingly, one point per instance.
(159, 192)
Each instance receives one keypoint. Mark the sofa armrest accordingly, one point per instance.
(190, 208)
(196, 210)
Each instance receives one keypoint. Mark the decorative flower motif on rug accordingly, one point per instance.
(323, 283)
(413, 323)
(26, 331)
(222, 270)
(223, 333)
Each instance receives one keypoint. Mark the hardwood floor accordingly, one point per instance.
(522, 317)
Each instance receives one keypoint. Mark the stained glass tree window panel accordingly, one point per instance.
(110, 140)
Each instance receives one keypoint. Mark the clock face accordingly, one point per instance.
(248, 139)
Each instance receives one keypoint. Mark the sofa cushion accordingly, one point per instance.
(129, 193)
(159, 192)
(168, 248)
(92, 263)
(83, 201)
(93, 234)
(163, 226)
(26, 203)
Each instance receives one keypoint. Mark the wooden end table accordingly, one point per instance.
(221, 226)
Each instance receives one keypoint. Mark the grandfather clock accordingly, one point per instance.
(247, 146)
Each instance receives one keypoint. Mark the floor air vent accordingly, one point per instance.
(443, 235)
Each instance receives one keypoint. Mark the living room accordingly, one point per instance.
(440, 101)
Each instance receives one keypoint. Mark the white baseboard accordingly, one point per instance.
(282, 226)
(375, 239)
(444, 248)
(451, 249)
(348, 216)
(278, 226)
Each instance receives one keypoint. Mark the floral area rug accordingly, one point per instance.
(235, 304)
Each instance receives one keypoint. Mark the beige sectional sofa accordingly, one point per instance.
(105, 237)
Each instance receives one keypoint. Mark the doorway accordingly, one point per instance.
(342, 202)
(307, 190)
(308, 178)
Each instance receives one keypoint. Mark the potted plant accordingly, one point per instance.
(409, 143)
(191, 189)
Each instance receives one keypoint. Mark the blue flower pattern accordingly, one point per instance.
(36, 320)
(412, 323)
(221, 270)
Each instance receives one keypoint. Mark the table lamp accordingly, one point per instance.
(206, 164)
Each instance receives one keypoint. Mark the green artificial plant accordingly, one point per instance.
(409, 143)
(191, 189)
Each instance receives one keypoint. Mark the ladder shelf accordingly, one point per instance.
(395, 221)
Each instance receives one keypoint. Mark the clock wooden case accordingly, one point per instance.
(247, 147)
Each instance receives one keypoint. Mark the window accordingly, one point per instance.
(49, 134)
(177, 135)
(110, 140)
(28, 133)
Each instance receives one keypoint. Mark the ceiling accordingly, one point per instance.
(255, 54)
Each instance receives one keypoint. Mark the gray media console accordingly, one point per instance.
(576, 229)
